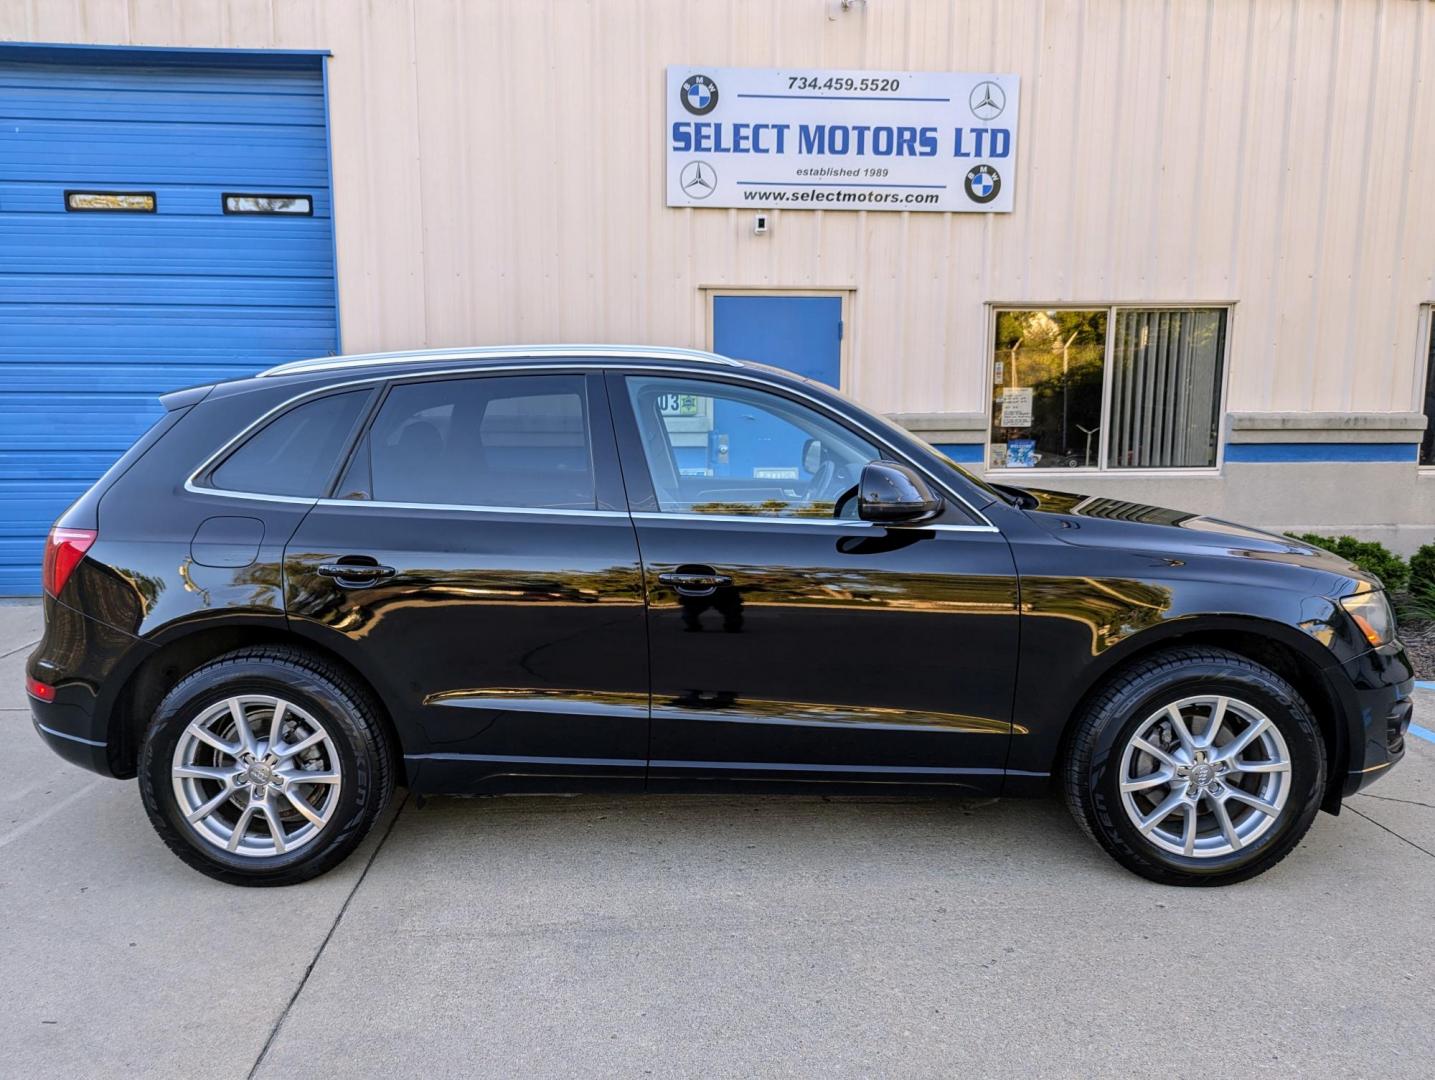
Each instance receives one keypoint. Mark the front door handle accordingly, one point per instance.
(695, 582)
(356, 575)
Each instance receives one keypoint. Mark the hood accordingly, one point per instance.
(1101, 521)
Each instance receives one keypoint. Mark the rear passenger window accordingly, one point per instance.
(492, 441)
(294, 453)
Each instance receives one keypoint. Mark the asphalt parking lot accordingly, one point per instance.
(703, 936)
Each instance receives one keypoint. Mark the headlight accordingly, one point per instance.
(1371, 612)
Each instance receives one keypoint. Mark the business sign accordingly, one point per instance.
(841, 140)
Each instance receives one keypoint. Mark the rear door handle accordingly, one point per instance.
(355, 575)
(695, 583)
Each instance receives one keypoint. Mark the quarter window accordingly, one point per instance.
(519, 441)
(294, 453)
(1108, 388)
(717, 448)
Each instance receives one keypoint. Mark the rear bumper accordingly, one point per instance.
(70, 732)
(1381, 683)
(84, 660)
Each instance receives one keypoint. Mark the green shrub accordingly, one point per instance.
(1422, 569)
(1418, 605)
(1370, 555)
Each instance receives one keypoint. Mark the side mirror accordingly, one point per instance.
(892, 492)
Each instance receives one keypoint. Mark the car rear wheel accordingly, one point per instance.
(1196, 767)
(265, 767)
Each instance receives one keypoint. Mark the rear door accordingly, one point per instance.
(478, 561)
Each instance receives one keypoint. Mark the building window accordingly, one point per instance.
(1427, 440)
(1107, 388)
(268, 204)
(134, 202)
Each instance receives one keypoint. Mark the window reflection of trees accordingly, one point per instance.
(767, 508)
(1059, 355)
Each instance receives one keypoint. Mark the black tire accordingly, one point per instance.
(347, 713)
(1093, 762)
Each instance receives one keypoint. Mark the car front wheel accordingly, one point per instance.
(265, 767)
(1196, 767)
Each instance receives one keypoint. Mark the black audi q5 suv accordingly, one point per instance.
(599, 569)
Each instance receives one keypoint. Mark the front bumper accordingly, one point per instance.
(1381, 684)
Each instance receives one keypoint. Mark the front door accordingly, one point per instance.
(479, 562)
(802, 334)
(789, 640)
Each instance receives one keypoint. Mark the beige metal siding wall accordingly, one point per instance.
(499, 174)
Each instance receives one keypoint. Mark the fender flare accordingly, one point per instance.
(1342, 710)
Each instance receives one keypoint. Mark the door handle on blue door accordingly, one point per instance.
(696, 582)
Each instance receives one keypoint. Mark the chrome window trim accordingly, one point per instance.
(474, 509)
(746, 377)
(195, 489)
(740, 519)
(828, 523)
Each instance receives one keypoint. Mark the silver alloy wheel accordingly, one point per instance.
(1205, 776)
(256, 775)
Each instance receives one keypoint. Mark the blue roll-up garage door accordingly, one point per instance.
(125, 272)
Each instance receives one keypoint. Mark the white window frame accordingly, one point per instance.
(994, 308)
(1424, 362)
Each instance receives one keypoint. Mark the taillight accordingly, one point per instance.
(43, 691)
(64, 548)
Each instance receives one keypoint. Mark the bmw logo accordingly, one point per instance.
(982, 184)
(699, 95)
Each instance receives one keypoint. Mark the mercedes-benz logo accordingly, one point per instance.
(698, 179)
(987, 100)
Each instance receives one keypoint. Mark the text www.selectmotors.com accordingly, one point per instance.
(819, 196)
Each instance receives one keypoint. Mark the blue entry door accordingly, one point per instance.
(800, 333)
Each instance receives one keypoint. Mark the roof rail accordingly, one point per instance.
(493, 352)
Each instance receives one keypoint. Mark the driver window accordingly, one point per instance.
(717, 448)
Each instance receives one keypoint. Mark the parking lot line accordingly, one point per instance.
(45, 815)
(18, 648)
(1415, 729)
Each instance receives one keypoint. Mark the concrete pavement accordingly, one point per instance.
(703, 936)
